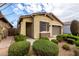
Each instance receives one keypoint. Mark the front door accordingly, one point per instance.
(29, 29)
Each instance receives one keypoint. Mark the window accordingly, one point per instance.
(44, 26)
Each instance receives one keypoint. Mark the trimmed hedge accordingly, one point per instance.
(55, 41)
(68, 38)
(45, 48)
(44, 38)
(59, 38)
(66, 47)
(20, 38)
(71, 36)
(70, 41)
(77, 43)
(20, 48)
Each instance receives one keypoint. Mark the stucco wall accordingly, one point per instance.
(23, 25)
(36, 25)
(39, 18)
(4, 25)
(4, 28)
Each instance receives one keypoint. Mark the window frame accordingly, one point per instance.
(46, 27)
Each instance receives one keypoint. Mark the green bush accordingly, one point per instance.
(74, 27)
(20, 38)
(65, 36)
(44, 38)
(76, 51)
(20, 48)
(55, 41)
(59, 38)
(73, 37)
(66, 47)
(45, 48)
(70, 41)
(77, 43)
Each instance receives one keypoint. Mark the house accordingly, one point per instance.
(4, 26)
(39, 25)
(67, 27)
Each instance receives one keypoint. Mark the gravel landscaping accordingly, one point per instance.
(63, 52)
(4, 44)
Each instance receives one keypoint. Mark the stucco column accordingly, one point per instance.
(50, 28)
(23, 28)
(61, 29)
(36, 27)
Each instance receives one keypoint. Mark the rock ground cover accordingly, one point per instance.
(4, 44)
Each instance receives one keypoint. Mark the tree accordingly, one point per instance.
(74, 27)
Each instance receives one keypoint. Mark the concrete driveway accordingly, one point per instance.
(4, 44)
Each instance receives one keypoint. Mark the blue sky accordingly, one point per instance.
(64, 11)
(13, 11)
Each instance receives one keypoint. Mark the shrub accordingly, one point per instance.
(76, 37)
(77, 43)
(59, 38)
(76, 51)
(55, 41)
(74, 27)
(20, 48)
(66, 47)
(20, 38)
(70, 41)
(73, 37)
(65, 36)
(44, 38)
(45, 48)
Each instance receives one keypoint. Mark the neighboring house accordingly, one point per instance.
(4, 26)
(39, 25)
(67, 27)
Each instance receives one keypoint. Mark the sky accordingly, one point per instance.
(64, 11)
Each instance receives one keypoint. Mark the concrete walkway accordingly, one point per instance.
(31, 40)
(4, 44)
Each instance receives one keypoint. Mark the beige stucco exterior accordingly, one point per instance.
(23, 25)
(4, 26)
(35, 27)
(37, 20)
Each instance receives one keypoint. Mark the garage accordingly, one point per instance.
(56, 30)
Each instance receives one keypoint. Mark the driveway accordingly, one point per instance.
(4, 44)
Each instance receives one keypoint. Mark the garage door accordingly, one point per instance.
(56, 30)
